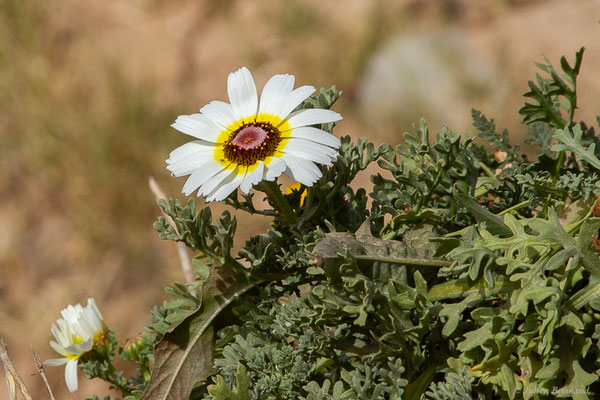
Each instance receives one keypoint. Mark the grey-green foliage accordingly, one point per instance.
(331, 198)
(473, 275)
(424, 173)
(98, 363)
(456, 386)
(570, 139)
(326, 335)
(499, 141)
(221, 390)
(514, 303)
(536, 321)
(284, 346)
(547, 93)
(197, 230)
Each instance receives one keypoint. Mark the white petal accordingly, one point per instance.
(80, 348)
(71, 313)
(274, 169)
(61, 335)
(314, 135)
(199, 126)
(189, 157)
(275, 91)
(189, 167)
(95, 316)
(220, 113)
(253, 177)
(312, 116)
(292, 100)
(190, 149)
(242, 93)
(301, 170)
(310, 151)
(201, 176)
(230, 184)
(55, 362)
(71, 375)
(214, 182)
(58, 348)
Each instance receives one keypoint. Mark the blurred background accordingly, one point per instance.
(88, 90)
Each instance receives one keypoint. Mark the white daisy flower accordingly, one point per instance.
(76, 333)
(242, 143)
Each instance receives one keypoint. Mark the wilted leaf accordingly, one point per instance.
(184, 356)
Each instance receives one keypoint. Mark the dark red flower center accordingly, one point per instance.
(252, 142)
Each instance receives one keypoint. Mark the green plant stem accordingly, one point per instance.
(488, 171)
(233, 263)
(407, 261)
(271, 189)
(122, 385)
(555, 175)
(559, 163)
(308, 201)
(327, 200)
(515, 207)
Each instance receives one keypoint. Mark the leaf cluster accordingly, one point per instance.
(474, 274)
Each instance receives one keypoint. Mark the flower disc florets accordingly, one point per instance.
(251, 143)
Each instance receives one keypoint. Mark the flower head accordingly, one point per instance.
(76, 333)
(246, 141)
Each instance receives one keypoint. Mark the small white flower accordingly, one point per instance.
(76, 333)
(242, 143)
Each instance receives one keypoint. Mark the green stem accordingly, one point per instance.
(123, 385)
(236, 265)
(317, 209)
(310, 196)
(515, 207)
(488, 171)
(323, 365)
(271, 189)
(558, 167)
(407, 261)
(327, 200)
(555, 175)
(337, 187)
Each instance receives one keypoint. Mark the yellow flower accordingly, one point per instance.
(295, 187)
